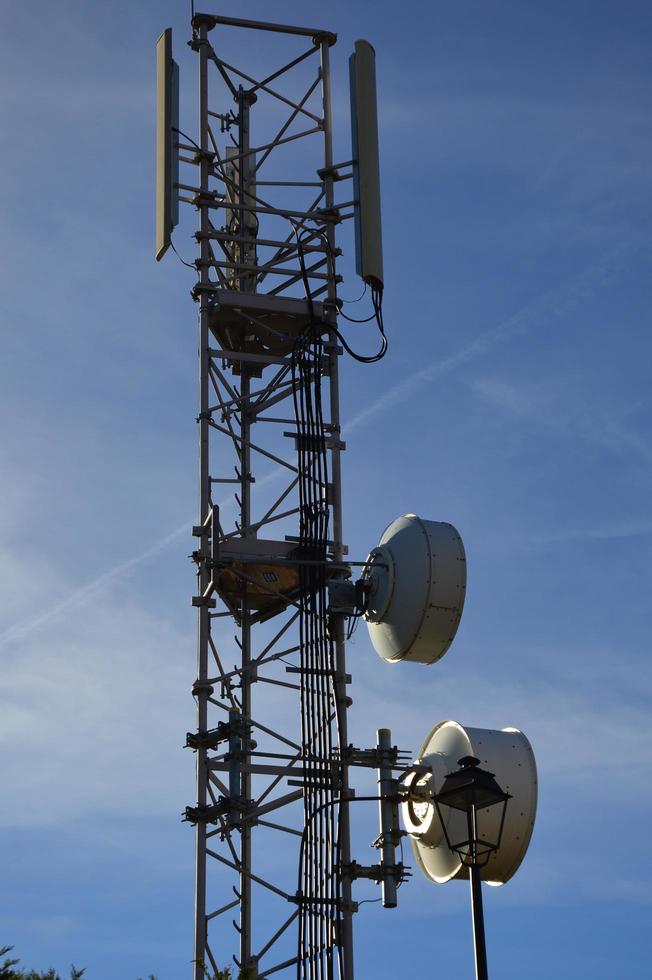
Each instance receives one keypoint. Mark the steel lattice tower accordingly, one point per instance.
(269, 533)
(275, 597)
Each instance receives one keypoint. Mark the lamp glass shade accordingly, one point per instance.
(470, 787)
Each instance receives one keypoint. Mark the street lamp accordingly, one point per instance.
(473, 791)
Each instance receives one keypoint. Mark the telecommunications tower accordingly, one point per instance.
(276, 591)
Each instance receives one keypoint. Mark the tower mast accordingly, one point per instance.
(274, 594)
(271, 772)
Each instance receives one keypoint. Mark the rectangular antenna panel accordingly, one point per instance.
(167, 154)
(366, 170)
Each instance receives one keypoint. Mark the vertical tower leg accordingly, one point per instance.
(246, 283)
(342, 700)
(201, 686)
(245, 634)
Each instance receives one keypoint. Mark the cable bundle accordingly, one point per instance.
(319, 875)
(319, 871)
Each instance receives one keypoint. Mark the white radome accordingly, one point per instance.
(417, 579)
(508, 755)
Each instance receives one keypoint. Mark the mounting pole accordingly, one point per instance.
(477, 914)
(387, 817)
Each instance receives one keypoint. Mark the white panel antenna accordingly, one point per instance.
(167, 154)
(366, 169)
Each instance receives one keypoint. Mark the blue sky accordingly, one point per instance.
(514, 402)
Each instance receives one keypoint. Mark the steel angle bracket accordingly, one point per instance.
(395, 758)
(376, 872)
(212, 738)
(208, 814)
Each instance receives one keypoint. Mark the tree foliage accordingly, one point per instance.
(9, 971)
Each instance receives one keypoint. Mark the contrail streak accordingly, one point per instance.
(553, 302)
(82, 595)
(86, 592)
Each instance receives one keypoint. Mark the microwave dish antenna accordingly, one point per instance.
(415, 582)
(508, 754)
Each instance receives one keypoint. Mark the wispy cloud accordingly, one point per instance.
(550, 304)
(82, 596)
(608, 532)
(577, 730)
(506, 541)
(87, 592)
(551, 407)
(109, 678)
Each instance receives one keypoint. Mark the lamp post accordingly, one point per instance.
(473, 791)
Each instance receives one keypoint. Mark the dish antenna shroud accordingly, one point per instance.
(508, 755)
(416, 582)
